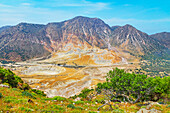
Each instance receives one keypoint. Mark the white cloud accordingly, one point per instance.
(25, 4)
(85, 3)
(73, 5)
(52, 10)
(22, 13)
(88, 6)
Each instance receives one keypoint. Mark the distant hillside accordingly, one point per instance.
(4, 28)
(26, 41)
(136, 42)
(22, 42)
(114, 27)
(163, 37)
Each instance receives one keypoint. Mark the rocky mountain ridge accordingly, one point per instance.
(4, 28)
(163, 37)
(134, 41)
(26, 41)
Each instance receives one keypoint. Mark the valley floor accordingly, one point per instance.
(68, 73)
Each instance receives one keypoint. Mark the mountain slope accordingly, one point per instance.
(26, 41)
(22, 42)
(163, 37)
(79, 30)
(4, 28)
(114, 27)
(136, 42)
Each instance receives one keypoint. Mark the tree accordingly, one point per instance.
(162, 88)
(7, 76)
(124, 86)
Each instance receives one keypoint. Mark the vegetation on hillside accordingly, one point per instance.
(122, 92)
(156, 64)
(121, 86)
(7, 76)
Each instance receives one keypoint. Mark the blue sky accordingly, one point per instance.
(150, 16)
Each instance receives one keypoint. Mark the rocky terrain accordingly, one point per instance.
(26, 41)
(163, 37)
(18, 96)
(65, 57)
(4, 28)
(67, 73)
(134, 41)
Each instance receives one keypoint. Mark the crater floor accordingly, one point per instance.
(66, 73)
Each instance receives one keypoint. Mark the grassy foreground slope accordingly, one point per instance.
(21, 98)
(13, 100)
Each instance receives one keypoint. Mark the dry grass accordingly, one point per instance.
(13, 101)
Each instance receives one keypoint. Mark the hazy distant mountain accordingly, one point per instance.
(163, 37)
(25, 41)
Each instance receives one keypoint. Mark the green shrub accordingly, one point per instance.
(75, 111)
(168, 106)
(8, 100)
(25, 86)
(168, 102)
(85, 106)
(39, 92)
(147, 87)
(9, 106)
(118, 111)
(6, 84)
(15, 89)
(159, 106)
(20, 101)
(161, 102)
(78, 107)
(92, 112)
(34, 94)
(25, 109)
(85, 92)
(7, 76)
(71, 106)
(88, 102)
(133, 107)
(143, 106)
(57, 107)
(74, 97)
(59, 98)
(1, 95)
(79, 102)
(100, 101)
(25, 93)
